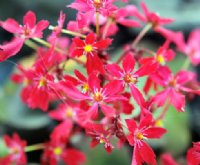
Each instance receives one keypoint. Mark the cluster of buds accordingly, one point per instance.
(98, 100)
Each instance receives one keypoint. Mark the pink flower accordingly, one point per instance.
(128, 76)
(16, 148)
(138, 134)
(22, 32)
(193, 154)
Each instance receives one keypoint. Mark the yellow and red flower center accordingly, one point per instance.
(139, 136)
(57, 151)
(69, 112)
(85, 88)
(128, 78)
(160, 59)
(88, 48)
(42, 82)
(172, 83)
(15, 150)
(98, 96)
(97, 4)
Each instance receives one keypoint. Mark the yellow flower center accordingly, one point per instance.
(69, 112)
(128, 78)
(97, 4)
(85, 88)
(57, 151)
(42, 82)
(159, 123)
(15, 150)
(139, 136)
(160, 59)
(88, 48)
(172, 83)
(98, 96)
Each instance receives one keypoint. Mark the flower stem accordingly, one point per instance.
(35, 147)
(97, 24)
(141, 34)
(108, 23)
(186, 64)
(68, 32)
(43, 42)
(31, 44)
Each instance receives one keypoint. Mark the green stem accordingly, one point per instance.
(68, 32)
(141, 34)
(35, 147)
(186, 64)
(97, 24)
(31, 44)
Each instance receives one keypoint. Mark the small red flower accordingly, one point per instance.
(138, 134)
(167, 159)
(22, 32)
(193, 154)
(16, 148)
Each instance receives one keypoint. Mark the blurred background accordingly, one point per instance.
(35, 126)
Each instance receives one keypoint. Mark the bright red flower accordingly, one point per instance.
(128, 76)
(55, 151)
(193, 154)
(97, 95)
(91, 48)
(39, 89)
(99, 135)
(138, 134)
(16, 148)
(174, 85)
(22, 32)
(105, 7)
(152, 17)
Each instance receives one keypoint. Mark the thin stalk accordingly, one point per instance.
(141, 34)
(68, 32)
(108, 23)
(97, 24)
(35, 147)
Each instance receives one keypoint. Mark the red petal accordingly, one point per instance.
(131, 125)
(107, 110)
(178, 100)
(78, 42)
(93, 81)
(128, 63)
(103, 44)
(155, 132)
(29, 19)
(114, 70)
(137, 95)
(146, 153)
(11, 26)
(90, 39)
(11, 48)
(41, 25)
(80, 76)
(129, 23)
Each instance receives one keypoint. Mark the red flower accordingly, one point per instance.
(97, 95)
(91, 48)
(99, 135)
(174, 85)
(138, 133)
(22, 32)
(130, 77)
(193, 154)
(105, 7)
(39, 89)
(151, 17)
(56, 151)
(16, 148)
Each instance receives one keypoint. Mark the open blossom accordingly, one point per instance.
(193, 154)
(105, 7)
(128, 76)
(97, 95)
(16, 151)
(38, 90)
(174, 86)
(99, 135)
(22, 32)
(142, 152)
(56, 151)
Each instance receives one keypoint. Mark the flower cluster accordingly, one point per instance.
(94, 100)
